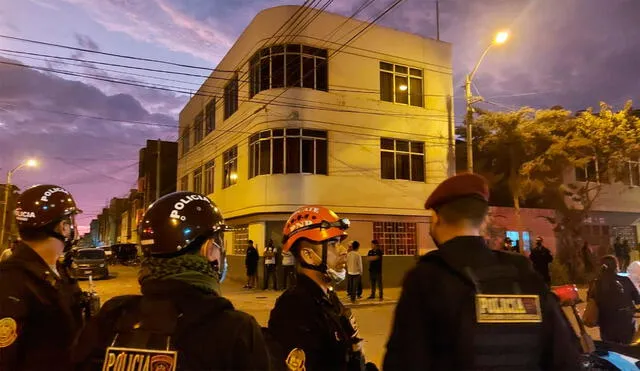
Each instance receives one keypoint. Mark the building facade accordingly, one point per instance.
(304, 118)
(157, 170)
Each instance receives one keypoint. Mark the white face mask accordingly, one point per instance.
(337, 276)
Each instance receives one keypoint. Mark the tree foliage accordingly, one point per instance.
(530, 153)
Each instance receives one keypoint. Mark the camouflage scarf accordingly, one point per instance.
(190, 268)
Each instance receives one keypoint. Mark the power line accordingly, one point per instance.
(113, 54)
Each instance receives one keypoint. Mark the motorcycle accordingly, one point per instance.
(597, 355)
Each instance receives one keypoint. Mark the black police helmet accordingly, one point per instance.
(179, 222)
(42, 205)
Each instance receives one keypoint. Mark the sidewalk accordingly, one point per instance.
(265, 299)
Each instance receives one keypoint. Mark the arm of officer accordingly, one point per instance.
(14, 310)
(561, 350)
(296, 332)
(409, 345)
(251, 350)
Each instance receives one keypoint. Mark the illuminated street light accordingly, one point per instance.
(28, 163)
(500, 38)
(403, 87)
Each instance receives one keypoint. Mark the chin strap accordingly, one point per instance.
(322, 267)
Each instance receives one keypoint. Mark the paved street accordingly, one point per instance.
(374, 318)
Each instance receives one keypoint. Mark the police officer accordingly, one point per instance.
(40, 305)
(467, 307)
(313, 328)
(180, 314)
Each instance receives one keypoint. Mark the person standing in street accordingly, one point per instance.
(626, 256)
(467, 307)
(251, 263)
(288, 270)
(180, 322)
(354, 270)
(541, 257)
(375, 268)
(270, 266)
(314, 330)
(40, 304)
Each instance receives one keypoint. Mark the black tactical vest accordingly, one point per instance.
(507, 329)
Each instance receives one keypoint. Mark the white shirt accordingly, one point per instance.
(287, 258)
(354, 263)
(270, 256)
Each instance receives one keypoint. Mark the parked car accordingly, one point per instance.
(89, 262)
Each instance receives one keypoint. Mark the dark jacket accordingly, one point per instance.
(615, 297)
(46, 309)
(541, 258)
(306, 318)
(209, 334)
(435, 325)
(252, 257)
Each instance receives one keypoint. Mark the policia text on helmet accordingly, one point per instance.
(44, 212)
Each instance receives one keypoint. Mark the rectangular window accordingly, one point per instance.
(185, 141)
(184, 183)
(231, 97)
(197, 180)
(274, 152)
(593, 172)
(402, 159)
(396, 238)
(197, 128)
(211, 116)
(230, 160)
(240, 239)
(209, 169)
(634, 173)
(401, 84)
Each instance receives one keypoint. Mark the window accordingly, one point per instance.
(210, 124)
(402, 159)
(197, 180)
(287, 151)
(185, 141)
(197, 128)
(594, 171)
(230, 159)
(396, 238)
(633, 178)
(240, 239)
(231, 97)
(401, 84)
(184, 183)
(208, 177)
(288, 65)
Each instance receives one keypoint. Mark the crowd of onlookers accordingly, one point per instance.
(273, 259)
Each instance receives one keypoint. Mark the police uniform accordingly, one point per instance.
(179, 321)
(40, 314)
(467, 307)
(314, 329)
(204, 329)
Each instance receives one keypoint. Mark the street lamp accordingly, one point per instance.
(500, 38)
(7, 186)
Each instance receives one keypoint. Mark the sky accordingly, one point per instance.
(87, 132)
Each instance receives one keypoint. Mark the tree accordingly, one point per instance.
(530, 152)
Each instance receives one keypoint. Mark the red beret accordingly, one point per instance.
(461, 185)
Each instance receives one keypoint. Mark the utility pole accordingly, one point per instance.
(158, 170)
(452, 137)
(438, 20)
(5, 208)
(469, 122)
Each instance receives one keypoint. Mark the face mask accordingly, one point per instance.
(337, 276)
(220, 269)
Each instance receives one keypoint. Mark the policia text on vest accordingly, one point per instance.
(508, 308)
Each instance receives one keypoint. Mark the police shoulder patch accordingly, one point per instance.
(508, 308)
(8, 331)
(296, 359)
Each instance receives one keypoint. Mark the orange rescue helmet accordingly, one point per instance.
(314, 223)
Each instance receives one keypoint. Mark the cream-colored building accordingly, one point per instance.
(301, 118)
